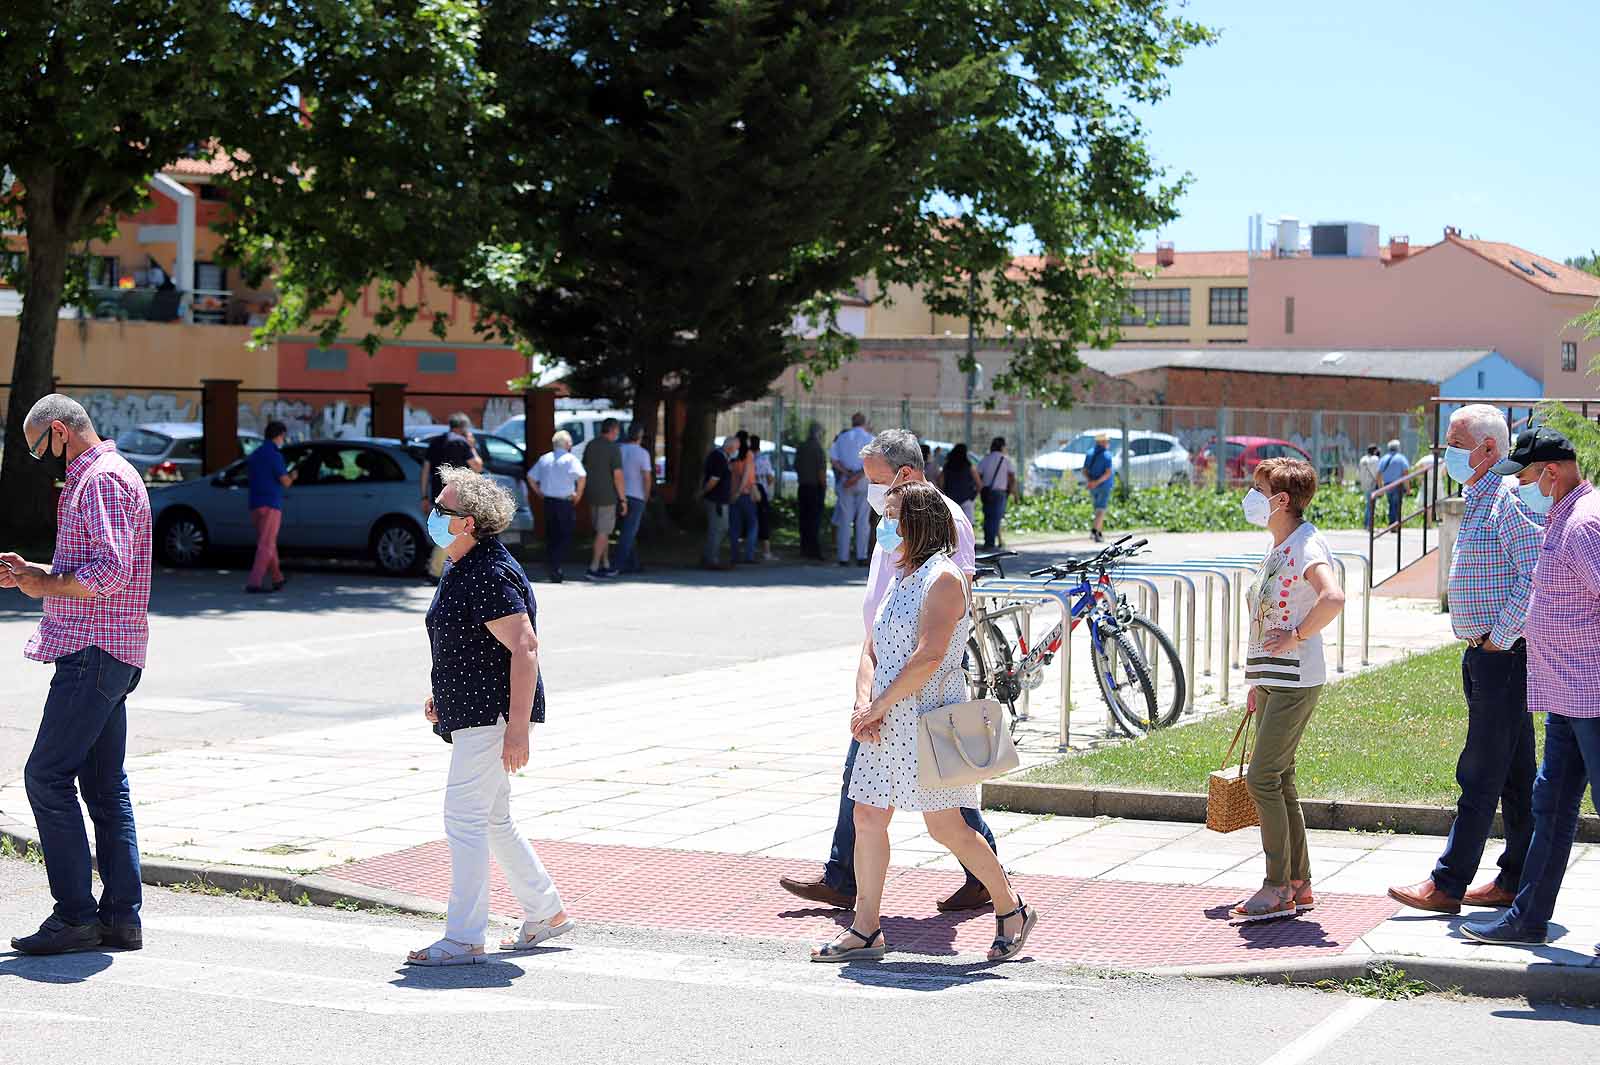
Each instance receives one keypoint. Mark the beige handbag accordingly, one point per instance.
(963, 744)
(1229, 805)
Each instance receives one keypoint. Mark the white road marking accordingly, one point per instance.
(250, 654)
(1326, 1033)
(172, 704)
(56, 1015)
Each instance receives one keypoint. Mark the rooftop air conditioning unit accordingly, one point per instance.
(1352, 240)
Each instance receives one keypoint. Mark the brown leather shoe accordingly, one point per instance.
(1490, 894)
(1425, 896)
(972, 896)
(817, 890)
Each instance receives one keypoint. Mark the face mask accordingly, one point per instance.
(439, 529)
(889, 537)
(1534, 499)
(878, 495)
(1458, 463)
(1257, 508)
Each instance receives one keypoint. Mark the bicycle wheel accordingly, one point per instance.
(989, 676)
(1166, 670)
(1124, 680)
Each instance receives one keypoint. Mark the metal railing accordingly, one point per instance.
(1430, 484)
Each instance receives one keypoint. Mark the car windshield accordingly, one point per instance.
(1082, 445)
(142, 442)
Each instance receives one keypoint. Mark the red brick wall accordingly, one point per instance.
(1227, 388)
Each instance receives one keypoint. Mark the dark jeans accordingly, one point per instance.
(994, 512)
(1496, 767)
(763, 515)
(840, 872)
(743, 528)
(83, 737)
(1571, 758)
(1396, 499)
(810, 503)
(560, 521)
(627, 557)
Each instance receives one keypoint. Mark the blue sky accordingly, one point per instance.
(1411, 114)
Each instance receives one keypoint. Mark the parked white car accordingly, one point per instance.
(1153, 459)
(584, 425)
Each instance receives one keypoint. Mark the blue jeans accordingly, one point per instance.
(627, 557)
(560, 521)
(1496, 768)
(1571, 758)
(84, 736)
(994, 512)
(840, 872)
(1396, 498)
(743, 528)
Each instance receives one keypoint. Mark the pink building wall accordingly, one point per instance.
(1443, 297)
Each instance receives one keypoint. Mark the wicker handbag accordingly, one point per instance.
(1229, 806)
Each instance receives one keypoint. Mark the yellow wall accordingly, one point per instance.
(149, 354)
(1199, 330)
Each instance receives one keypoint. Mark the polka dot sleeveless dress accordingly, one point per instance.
(885, 773)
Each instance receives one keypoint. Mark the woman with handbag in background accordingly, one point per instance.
(1293, 597)
(918, 641)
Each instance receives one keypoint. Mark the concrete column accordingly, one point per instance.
(219, 414)
(388, 401)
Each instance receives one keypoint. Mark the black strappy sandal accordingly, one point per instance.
(1010, 947)
(872, 948)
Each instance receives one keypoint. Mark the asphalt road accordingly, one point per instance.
(222, 979)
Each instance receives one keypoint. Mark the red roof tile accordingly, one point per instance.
(216, 164)
(1566, 281)
(1198, 264)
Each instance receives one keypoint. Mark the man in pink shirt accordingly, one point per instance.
(893, 457)
(96, 594)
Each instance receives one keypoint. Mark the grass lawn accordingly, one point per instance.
(1389, 735)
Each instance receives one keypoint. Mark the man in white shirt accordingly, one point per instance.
(638, 477)
(892, 458)
(557, 480)
(997, 480)
(850, 486)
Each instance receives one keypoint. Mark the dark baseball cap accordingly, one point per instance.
(1535, 445)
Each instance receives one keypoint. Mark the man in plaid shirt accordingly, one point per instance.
(96, 594)
(1563, 678)
(1491, 576)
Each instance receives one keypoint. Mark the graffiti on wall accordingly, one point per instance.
(114, 413)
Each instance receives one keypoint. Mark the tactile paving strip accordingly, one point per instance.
(1112, 923)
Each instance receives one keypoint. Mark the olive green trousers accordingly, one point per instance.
(1281, 717)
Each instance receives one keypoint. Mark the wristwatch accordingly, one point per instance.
(1295, 632)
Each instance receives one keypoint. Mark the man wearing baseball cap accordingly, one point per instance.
(1563, 634)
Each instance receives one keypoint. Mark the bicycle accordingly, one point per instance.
(1123, 644)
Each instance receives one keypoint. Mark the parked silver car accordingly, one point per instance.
(351, 497)
(171, 451)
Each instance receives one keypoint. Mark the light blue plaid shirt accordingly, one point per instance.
(1491, 567)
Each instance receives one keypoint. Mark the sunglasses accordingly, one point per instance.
(452, 513)
(37, 449)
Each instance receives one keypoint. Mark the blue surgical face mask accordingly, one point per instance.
(1534, 499)
(889, 537)
(439, 529)
(1458, 463)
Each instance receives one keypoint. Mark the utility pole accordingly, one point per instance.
(972, 356)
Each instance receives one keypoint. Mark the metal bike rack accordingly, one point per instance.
(1339, 557)
(1184, 594)
(1038, 591)
(1189, 569)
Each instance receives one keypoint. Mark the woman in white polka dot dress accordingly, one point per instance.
(918, 642)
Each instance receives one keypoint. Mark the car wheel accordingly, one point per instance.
(181, 539)
(398, 548)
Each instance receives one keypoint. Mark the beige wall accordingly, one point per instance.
(1447, 297)
(149, 354)
(1199, 330)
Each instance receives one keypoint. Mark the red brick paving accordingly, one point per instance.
(1116, 924)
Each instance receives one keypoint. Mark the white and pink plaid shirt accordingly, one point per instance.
(102, 539)
(1563, 628)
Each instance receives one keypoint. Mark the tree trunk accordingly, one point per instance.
(698, 430)
(29, 514)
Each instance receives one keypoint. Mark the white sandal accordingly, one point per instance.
(448, 952)
(536, 932)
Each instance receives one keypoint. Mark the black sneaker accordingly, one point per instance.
(595, 574)
(122, 936)
(56, 936)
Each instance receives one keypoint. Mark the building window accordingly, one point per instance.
(1288, 314)
(1569, 356)
(436, 362)
(103, 271)
(1480, 380)
(1157, 306)
(1230, 306)
(333, 360)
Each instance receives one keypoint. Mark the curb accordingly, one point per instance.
(1538, 981)
(1070, 800)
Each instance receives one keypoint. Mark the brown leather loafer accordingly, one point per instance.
(1425, 896)
(1491, 895)
(972, 896)
(818, 891)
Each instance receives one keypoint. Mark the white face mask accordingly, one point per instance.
(1257, 508)
(878, 495)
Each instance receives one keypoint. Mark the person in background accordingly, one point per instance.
(958, 479)
(1099, 476)
(1391, 468)
(850, 512)
(1491, 577)
(638, 478)
(766, 483)
(742, 521)
(602, 465)
(95, 631)
(811, 475)
(716, 493)
(1367, 477)
(1293, 597)
(556, 482)
(268, 479)
(999, 480)
(454, 447)
(1563, 634)
(930, 465)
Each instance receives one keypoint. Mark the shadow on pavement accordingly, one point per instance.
(56, 968)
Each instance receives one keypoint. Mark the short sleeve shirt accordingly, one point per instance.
(601, 459)
(995, 471)
(265, 465)
(1280, 598)
(846, 450)
(446, 449)
(717, 466)
(471, 669)
(636, 471)
(557, 474)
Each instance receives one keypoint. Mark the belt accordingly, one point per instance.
(1476, 643)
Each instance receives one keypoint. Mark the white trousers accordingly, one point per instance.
(852, 511)
(477, 820)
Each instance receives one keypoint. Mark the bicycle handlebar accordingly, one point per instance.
(1105, 559)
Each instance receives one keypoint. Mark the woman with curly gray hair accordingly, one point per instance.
(486, 691)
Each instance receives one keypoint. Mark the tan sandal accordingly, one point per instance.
(1304, 900)
(1244, 913)
(448, 952)
(536, 932)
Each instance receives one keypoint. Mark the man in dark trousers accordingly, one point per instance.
(811, 473)
(716, 491)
